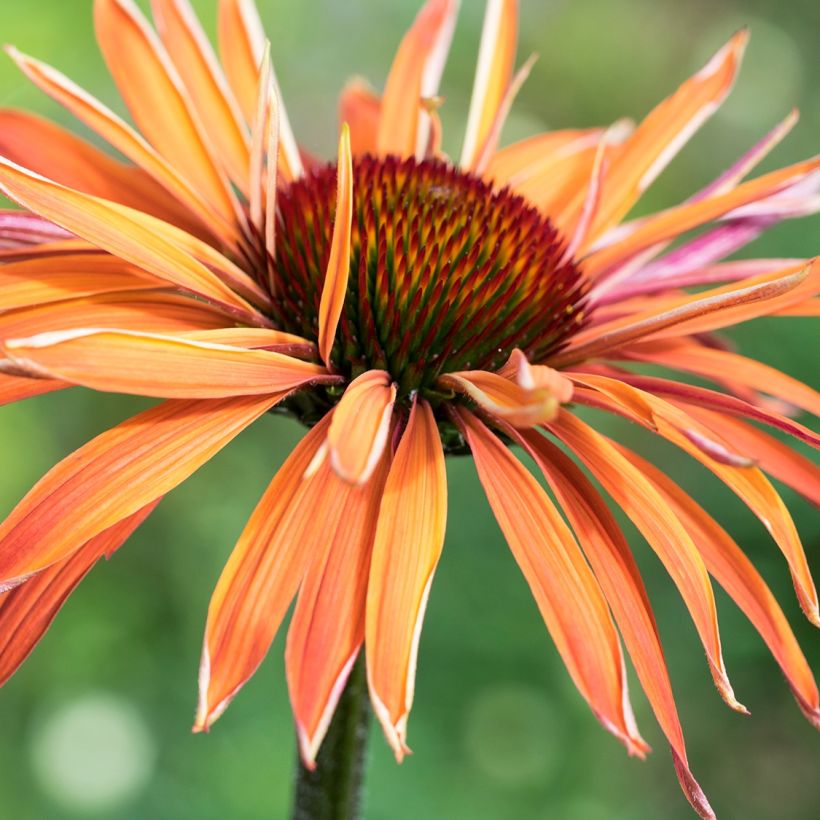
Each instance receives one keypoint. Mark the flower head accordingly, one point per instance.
(403, 306)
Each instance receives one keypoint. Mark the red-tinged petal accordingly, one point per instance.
(338, 266)
(152, 90)
(116, 474)
(22, 232)
(151, 312)
(496, 58)
(255, 337)
(748, 483)
(69, 276)
(698, 312)
(290, 527)
(242, 45)
(566, 591)
(327, 629)
(406, 550)
(522, 394)
(121, 136)
(718, 365)
(769, 454)
(665, 131)
(360, 108)
(662, 530)
(415, 75)
(17, 388)
(614, 566)
(27, 611)
(720, 402)
(126, 233)
(53, 152)
(146, 364)
(737, 575)
(676, 221)
(361, 425)
(214, 102)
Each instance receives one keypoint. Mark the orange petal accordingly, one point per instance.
(700, 312)
(747, 482)
(522, 394)
(772, 456)
(327, 628)
(155, 96)
(121, 136)
(288, 529)
(676, 221)
(17, 388)
(737, 575)
(717, 365)
(415, 75)
(194, 58)
(408, 542)
(614, 566)
(126, 233)
(338, 266)
(53, 152)
(116, 474)
(242, 45)
(40, 281)
(665, 131)
(361, 424)
(566, 591)
(147, 364)
(496, 58)
(662, 530)
(152, 312)
(360, 108)
(27, 611)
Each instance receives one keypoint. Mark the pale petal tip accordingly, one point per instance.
(726, 691)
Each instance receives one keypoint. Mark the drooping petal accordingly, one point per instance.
(241, 45)
(121, 136)
(361, 424)
(194, 59)
(737, 575)
(522, 394)
(406, 550)
(614, 566)
(56, 153)
(665, 131)
(415, 75)
(662, 530)
(360, 108)
(116, 474)
(327, 629)
(18, 388)
(27, 611)
(126, 233)
(566, 591)
(700, 312)
(496, 58)
(338, 266)
(152, 90)
(40, 281)
(147, 364)
(747, 482)
(717, 365)
(291, 527)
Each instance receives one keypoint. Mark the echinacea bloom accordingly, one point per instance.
(403, 305)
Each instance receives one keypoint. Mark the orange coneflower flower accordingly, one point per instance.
(403, 306)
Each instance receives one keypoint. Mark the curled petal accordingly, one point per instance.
(361, 424)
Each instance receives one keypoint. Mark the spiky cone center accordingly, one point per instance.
(446, 273)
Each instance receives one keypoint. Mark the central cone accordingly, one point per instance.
(446, 273)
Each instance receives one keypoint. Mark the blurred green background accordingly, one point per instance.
(96, 724)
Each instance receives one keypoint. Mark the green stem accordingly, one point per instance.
(333, 790)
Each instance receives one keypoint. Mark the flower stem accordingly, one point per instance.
(333, 790)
